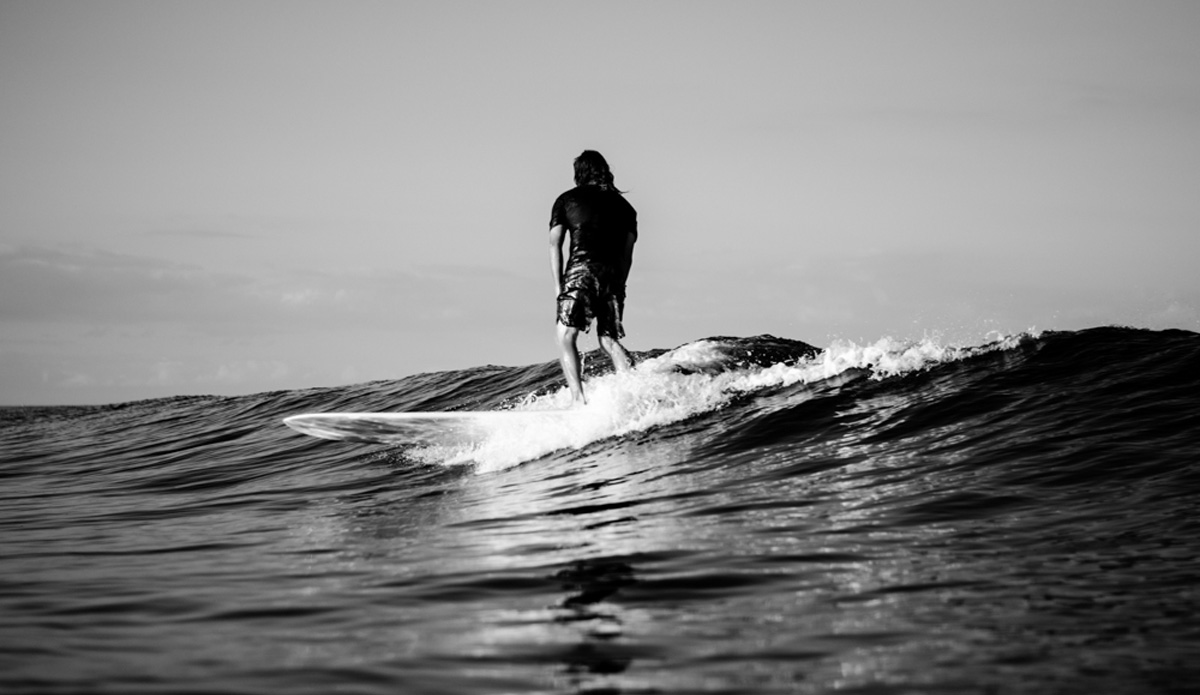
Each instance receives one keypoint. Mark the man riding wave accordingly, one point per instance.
(602, 228)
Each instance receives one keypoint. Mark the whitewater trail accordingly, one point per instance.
(691, 380)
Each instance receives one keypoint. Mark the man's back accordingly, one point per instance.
(601, 222)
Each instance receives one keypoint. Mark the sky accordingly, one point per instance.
(234, 197)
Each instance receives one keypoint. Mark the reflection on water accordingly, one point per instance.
(593, 582)
(611, 572)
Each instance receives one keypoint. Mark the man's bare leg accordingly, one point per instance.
(617, 352)
(569, 359)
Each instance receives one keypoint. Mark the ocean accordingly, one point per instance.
(738, 515)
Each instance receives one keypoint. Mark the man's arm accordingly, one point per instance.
(627, 258)
(556, 257)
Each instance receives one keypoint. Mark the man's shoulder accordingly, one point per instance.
(576, 192)
(593, 196)
(567, 196)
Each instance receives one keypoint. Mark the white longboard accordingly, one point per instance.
(427, 428)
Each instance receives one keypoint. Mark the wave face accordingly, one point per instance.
(736, 515)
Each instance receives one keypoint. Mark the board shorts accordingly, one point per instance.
(589, 292)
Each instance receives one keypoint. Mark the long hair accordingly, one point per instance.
(592, 169)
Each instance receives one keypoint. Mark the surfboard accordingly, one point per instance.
(442, 428)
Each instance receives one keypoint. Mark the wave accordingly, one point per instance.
(751, 390)
(697, 378)
(1026, 505)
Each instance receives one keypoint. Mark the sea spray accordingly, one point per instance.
(691, 380)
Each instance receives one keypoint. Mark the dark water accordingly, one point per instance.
(1018, 517)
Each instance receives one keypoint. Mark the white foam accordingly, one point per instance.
(656, 393)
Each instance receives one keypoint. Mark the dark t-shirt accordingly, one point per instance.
(600, 220)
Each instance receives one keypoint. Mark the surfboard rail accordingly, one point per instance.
(419, 428)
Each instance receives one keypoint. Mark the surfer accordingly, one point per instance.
(602, 227)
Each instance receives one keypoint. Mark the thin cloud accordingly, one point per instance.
(198, 234)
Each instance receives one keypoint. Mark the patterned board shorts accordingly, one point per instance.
(588, 294)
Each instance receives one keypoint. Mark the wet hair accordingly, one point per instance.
(592, 169)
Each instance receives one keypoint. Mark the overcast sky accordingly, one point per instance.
(229, 197)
